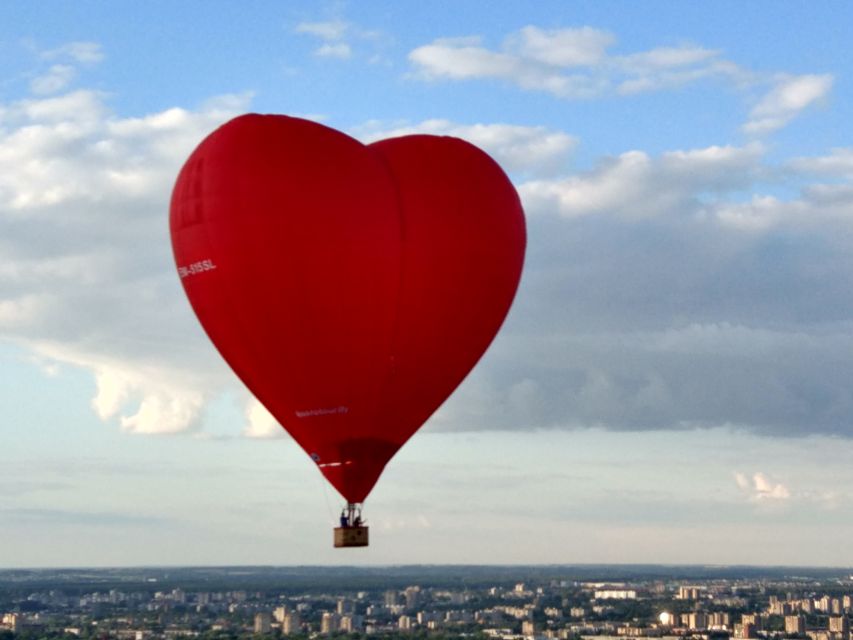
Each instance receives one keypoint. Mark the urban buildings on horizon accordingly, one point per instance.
(551, 609)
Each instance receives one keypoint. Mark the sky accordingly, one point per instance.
(674, 383)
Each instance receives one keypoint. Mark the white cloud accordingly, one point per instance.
(164, 412)
(660, 291)
(571, 63)
(517, 148)
(670, 68)
(580, 47)
(758, 214)
(67, 61)
(80, 52)
(786, 101)
(839, 162)
(672, 292)
(69, 149)
(461, 59)
(143, 393)
(260, 423)
(57, 78)
(337, 38)
(766, 489)
(327, 30)
(819, 206)
(668, 57)
(620, 185)
(87, 276)
(77, 108)
(112, 392)
(339, 50)
(576, 63)
(760, 488)
(636, 185)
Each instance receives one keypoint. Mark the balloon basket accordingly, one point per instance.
(351, 536)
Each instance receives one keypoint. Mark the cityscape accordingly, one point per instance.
(505, 603)
(602, 316)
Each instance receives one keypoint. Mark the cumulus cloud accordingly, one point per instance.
(580, 47)
(761, 488)
(655, 295)
(86, 276)
(635, 185)
(518, 149)
(767, 489)
(571, 63)
(670, 291)
(463, 58)
(674, 292)
(260, 423)
(788, 98)
(839, 163)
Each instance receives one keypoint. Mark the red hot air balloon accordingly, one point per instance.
(351, 287)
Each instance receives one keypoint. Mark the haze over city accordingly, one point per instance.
(674, 382)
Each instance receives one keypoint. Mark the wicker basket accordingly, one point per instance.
(351, 536)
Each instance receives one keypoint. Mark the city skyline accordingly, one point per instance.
(558, 603)
(673, 383)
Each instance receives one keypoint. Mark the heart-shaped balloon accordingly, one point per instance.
(351, 287)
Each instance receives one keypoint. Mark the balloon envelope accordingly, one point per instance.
(351, 287)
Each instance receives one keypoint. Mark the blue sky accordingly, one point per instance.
(673, 383)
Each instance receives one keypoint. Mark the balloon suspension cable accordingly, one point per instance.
(326, 498)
